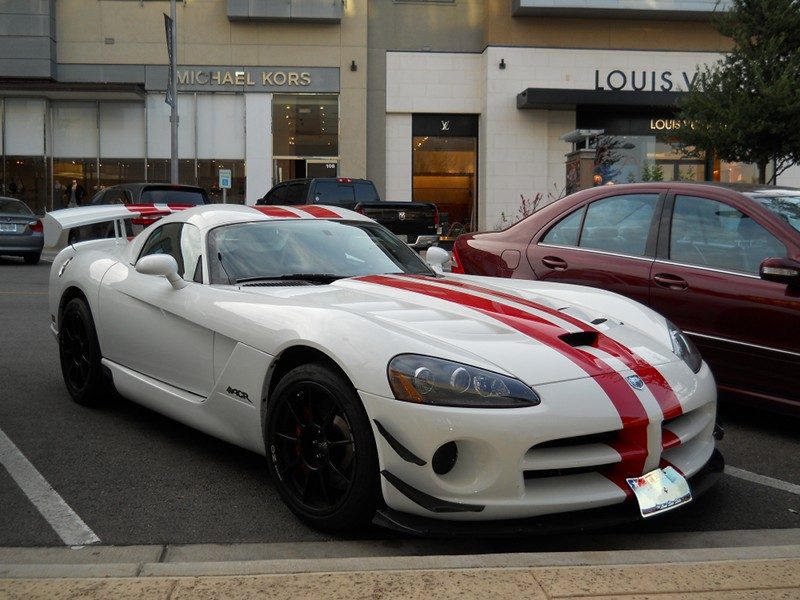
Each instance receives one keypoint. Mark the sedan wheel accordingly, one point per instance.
(79, 352)
(321, 449)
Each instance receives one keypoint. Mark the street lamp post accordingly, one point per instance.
(173, 118)
(171, 97)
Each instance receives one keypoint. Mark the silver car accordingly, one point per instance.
(20, 231)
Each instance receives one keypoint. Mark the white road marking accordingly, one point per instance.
(68, 525)
(763, 480)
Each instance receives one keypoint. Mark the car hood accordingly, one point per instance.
(531, 333)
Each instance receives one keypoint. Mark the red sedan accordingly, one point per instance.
(721, 261)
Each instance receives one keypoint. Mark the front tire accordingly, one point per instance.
(79, 353)
(321, 450)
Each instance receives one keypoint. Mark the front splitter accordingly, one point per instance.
(576, 521)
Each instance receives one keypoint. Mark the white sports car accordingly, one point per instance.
(378, 387)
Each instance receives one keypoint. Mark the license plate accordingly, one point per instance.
(403, 238)
(660, 490)
(8, 227)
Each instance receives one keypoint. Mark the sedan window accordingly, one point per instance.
(709, 233)
(785, 205)
(620, 224)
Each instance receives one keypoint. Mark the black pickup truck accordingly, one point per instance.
(416, 223)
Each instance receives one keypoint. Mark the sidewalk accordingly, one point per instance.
(197, 572)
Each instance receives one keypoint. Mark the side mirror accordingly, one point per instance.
(161, 264)
(437, 257)
(780, 270)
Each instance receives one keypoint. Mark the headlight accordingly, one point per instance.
(684, 348)
(427, 380)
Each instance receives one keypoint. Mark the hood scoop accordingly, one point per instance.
(580, 338)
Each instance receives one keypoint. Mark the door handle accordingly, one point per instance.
(555, 263)
(672, 282)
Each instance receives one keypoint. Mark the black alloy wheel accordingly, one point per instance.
(321, 450)
(79, 353)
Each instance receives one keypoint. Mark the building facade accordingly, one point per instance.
(489, 130)
(480, 106)
(269, 90)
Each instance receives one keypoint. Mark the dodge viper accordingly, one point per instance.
(379, 387)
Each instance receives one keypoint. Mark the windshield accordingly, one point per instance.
(290, 249)
(169, 195)
(14, 207)
(786, 205)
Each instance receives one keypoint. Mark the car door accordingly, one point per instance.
(608, 243)
(706, 280)
(150, 327)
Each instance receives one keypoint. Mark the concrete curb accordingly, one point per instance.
(331, 557)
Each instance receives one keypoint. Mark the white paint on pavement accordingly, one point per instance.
(68, 525)
(763, 480)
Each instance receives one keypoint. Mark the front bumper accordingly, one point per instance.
(608, 516)
(568, 455)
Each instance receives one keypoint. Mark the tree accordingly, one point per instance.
(746, 107)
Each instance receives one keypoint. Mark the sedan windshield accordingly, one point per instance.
(785, 205)
(318, 251)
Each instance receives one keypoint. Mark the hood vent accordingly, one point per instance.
(278, 283)
(580, 338)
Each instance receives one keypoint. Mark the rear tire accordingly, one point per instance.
(32, 259)
(321, 450)
(79, 353)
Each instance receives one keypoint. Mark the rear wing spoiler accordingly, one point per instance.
(58, 222)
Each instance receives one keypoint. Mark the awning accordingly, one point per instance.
(569, 99)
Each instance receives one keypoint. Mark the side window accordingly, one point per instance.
(277, 196)
(565, 232)
(166, 240)
(619, 224)
(709, 233)
(295, 194)
(117, 197)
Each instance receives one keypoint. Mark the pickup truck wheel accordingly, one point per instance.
(79, 353)
(321, 450)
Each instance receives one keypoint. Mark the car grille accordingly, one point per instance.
(608, 451)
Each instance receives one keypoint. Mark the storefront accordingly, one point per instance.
(527, 102)
(264, 124)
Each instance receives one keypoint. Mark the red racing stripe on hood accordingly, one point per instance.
(276, 211)
(656, 383)
(320, 212)
(632, 440)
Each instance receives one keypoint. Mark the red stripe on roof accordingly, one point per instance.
(632, 440)
(653, 379)
(277, 211)
(320, 212)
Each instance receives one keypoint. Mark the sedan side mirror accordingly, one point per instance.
(437, 257)
(161, 264)
(780, 270)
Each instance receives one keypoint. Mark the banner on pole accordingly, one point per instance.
(168, 26)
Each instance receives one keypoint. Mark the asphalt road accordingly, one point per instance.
(135, 477)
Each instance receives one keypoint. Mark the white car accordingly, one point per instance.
(378, 387)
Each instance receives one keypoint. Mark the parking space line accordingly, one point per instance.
(64, 521)
(763, 480)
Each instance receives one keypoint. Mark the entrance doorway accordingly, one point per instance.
(445, 166)
(297, 168)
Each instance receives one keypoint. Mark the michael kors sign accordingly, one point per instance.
(257, 79)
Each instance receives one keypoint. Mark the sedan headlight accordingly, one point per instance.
(428, 380)
(684, 348)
